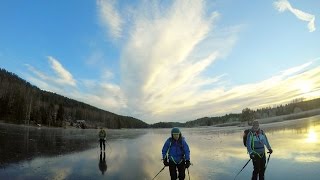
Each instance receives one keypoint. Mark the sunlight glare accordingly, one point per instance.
(304, 86)
(312, 136)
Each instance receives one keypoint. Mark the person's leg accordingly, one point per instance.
(173, 170)
(255, 172)
(262, 167)
(100, 144)
(182, 170)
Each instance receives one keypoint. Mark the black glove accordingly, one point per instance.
(187, 164)
(270, 151)
(252, 156)
(165, 162)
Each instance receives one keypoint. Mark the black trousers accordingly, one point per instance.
(258, 167)
(102, 141)
(173, 170)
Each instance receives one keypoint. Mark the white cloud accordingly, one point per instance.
(166, 53)
(98, 92)
(283, 5)
(64, 76)
(107, 96)
(110, 17)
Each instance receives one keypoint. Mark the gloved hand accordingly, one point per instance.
(187, 164)
(252, 156)
(165, 162)
(270, 151)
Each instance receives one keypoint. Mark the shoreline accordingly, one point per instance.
(269, 120)
(283, 118)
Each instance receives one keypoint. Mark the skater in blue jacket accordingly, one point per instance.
(176, 154)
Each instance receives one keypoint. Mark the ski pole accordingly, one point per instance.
(267, 161)
(159, 172)
(109, 145)
(242, 169)
(188, 173)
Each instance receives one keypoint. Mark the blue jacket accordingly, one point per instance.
(256, 142)
(177, 151)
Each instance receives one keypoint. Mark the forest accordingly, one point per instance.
(23, 103)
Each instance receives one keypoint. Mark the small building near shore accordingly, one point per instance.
(80, 124)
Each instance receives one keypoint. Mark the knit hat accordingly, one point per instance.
(175, 130)
(255, 125)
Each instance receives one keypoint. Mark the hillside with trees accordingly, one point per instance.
(23, 103)
(248, 115)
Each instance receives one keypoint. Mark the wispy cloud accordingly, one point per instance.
(64, 76)
(110, 17)
(283, 5)
(165, 55)
(167, 52)
(96, 92)
(279, 89)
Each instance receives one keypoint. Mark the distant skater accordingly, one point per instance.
(176, 154)
(102, 136)
(256, 140)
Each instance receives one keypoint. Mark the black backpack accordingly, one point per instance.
(244, 137)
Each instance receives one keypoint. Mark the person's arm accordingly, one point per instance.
(249, 142)
(165, 148)
(268, 144)
(186, 150)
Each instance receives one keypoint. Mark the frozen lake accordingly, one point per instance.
(216, 153)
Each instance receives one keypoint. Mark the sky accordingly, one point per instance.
(164, 60)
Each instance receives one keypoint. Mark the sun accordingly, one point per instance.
(304, 86)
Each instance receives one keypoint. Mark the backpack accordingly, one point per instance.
(102, 134)
(245, 135)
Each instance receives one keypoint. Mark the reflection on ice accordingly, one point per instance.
(312, 136)
(216, 153)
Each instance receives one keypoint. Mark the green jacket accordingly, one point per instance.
(102, 134)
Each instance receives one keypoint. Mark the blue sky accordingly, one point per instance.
(165, 60)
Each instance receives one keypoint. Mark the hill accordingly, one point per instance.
(23, 103)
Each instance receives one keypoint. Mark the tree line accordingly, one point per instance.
(248, 115)
(23, 103)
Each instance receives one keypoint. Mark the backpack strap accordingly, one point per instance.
(180, 144)
(252, 143)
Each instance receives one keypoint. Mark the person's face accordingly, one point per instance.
(176, 136)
